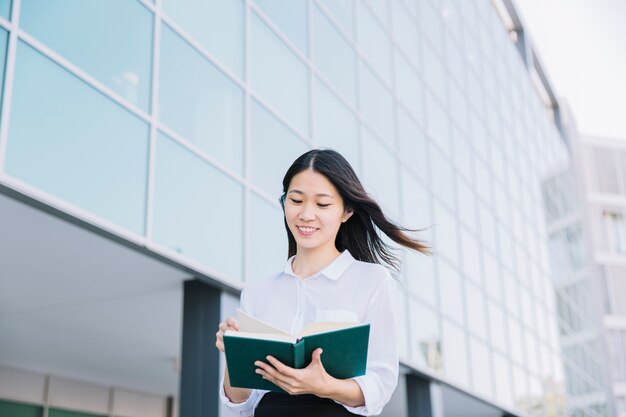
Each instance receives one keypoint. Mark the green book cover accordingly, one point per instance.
(344, 344)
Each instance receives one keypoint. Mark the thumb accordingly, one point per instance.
(317, 355)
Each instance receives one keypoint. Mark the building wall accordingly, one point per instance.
(173, 123)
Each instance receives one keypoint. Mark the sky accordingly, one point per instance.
(582, 46)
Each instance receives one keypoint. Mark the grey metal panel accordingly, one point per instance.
(200, 374)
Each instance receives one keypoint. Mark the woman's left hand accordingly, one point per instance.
(310, 380)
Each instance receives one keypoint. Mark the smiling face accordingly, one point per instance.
(314, 211)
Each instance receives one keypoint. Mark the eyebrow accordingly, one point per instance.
(316, 195)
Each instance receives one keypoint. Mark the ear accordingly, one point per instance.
(346, 215)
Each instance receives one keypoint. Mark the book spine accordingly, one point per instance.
(298, 354)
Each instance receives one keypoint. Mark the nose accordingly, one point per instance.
(307, 213)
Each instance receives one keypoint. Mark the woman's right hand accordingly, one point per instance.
(229, 324)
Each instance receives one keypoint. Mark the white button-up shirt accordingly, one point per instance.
(346, 290)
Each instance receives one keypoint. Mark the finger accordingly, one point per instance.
(271, 373)
(280, 367)
(232, 323)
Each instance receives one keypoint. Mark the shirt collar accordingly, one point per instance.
(332, 271)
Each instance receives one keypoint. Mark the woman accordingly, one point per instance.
(334, 273)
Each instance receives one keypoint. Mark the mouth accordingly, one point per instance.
(306, 230)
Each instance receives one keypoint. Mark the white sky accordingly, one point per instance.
(582, 46)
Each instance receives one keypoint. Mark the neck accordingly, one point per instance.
(309, 262)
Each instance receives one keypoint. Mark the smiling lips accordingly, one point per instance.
(306, 231)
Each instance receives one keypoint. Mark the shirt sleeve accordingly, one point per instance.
(381, 375)
(246, 408)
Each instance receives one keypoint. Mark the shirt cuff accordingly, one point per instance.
(372, 395)
(244, 409)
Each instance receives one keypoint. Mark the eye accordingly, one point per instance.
(294, 201)
(323, 205)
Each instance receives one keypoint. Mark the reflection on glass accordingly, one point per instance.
(81, 32)
(455, 353)
(343, 12)
(69, 140)
(374, 43)
(438, 124)
(476, 320)
(406, 33)
(216, 24)
(502, 375)
(377, 159)
(381, 8)
(409, 88)
(268, 240)
(471, 251)
(419, 271)
(497, 326)
(376, 105)
(290, 17)
(199, 102)
(197, 209)
(335, 126)
(426, 339)
(467, 200)
(278, 76)
(481, 368)
(5, 9)
(401, 314)
(442, 177)
(412, 144)
(450, 291)
(267, 166)
(446, 227)
(334, 56)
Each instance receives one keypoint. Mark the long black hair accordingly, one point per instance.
(359, 233)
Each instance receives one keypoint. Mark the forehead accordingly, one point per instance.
(312, 182)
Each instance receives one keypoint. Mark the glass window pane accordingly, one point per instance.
(409, 88)
(376, 105)
(267, 166)
(343, 12)
(476, 320)
(374, 43)
(481, 366)
(438, 124)
(502, 373)
(455, 353)
(377, 159)
(268, 239)
(493, 279)
(334, 56)
(278, 76)
(442, 177)
(467, 200)
(426, 339)
(199, 102)
(446, 231)
(412, 143)
(471, 256)
(497, 327)
(186, 217)
(81, 32)
(216, 24)
(450, 291)
(5, 9)
(290, 17)
(335, 126)
(69, 140)
(406, 33)
(381, 8)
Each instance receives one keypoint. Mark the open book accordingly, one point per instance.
(344, 345)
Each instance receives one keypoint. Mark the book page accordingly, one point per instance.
(247, 323)
(276, 337)
(324, 327)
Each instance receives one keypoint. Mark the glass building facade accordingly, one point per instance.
(588, 240)
(171, 123)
